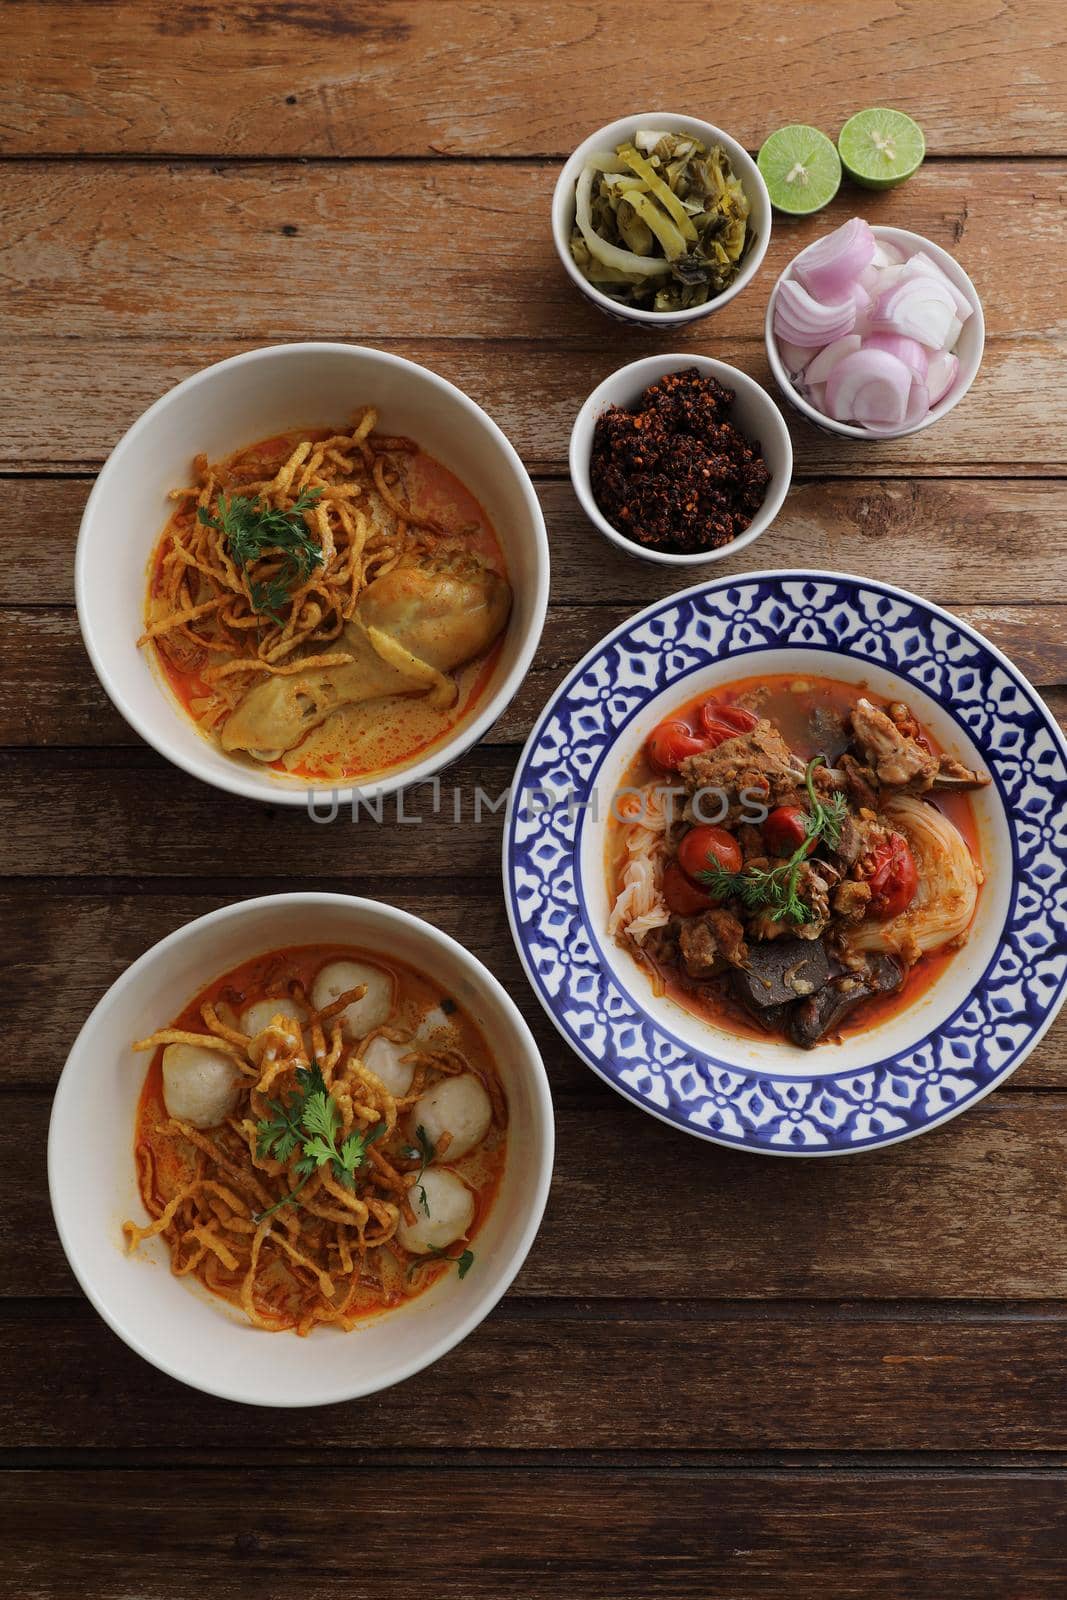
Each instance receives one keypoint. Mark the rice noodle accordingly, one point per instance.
(639, 905)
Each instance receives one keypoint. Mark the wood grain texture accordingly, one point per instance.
(959, 542)
(72, 946)
(975, 1211)
(49, 696)
(65, 403)
(716, 1375)
(901, 1379)
(455, 78)
(399, 250)
(478, 1535)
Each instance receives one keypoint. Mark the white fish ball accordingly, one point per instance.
(446, 1217)
(362, 1016)
(385, 1058)
(261, 1014)
(459, 1106)
(433, 1024)
(199, 1085)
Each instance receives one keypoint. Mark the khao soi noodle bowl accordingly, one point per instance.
(320, 1136)
(326, 603)
(794, 858)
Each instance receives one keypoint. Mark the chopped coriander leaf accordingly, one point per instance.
(776, 889)
(310, 1120)
(464, 1261)
(252, 529)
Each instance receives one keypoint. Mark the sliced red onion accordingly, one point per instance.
(941, 375)
(918, 409)
(952, 336)
(872, 279)
(910, 351)
(919, 307)
(825, 362)
(870, 387)
(815, 395)
(886, 254)
(800, 319)
(922, 263)
(828, 266)
(796, 356)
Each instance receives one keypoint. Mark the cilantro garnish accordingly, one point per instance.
(775, 890)
(310, 1120)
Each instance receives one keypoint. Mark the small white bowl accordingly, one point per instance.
(173, 1322)
(968, 350)
(235, 403)
(609, 138)
(753, 412)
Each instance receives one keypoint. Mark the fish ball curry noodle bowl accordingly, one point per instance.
(300, 1149)
(311, 567)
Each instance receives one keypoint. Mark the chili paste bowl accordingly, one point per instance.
(928, 1060)
(753, 412)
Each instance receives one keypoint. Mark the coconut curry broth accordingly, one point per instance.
(165, 1163)
(365, 740)
(806, 710)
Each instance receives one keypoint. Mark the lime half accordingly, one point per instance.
(800, 168)
(881, 148)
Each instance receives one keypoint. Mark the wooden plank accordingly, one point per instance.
(458, 251)
(715, 1379)
(639, 1209)
(403, 78)
(72, 947)
(49, 695)
(959, 542)
(477, 1534)
(70, 400)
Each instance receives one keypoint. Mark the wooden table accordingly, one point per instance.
(775, 1379)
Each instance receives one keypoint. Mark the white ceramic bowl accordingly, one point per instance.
(609, 138)
(969, 347)
(235, 403)
(173, 1322)
(753, 412)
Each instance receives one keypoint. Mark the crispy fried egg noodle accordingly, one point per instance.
(293, 1250)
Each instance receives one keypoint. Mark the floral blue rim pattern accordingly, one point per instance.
(957, 1063)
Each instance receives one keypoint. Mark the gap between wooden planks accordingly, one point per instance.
(311, 78)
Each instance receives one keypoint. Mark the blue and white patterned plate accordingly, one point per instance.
(970, 1029)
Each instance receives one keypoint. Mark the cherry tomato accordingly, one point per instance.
(784, 830)
(683, 897)
(670, 743)
(706, 847)
(894, 879)
(721, 721)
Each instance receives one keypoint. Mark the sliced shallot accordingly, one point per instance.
(918, 308)
(941, 374)
(917, 408)
(796, 356)
(830, 265)
(870, 387)
(824, 363)
(801, 319)
(921, 263)
(910, 351)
